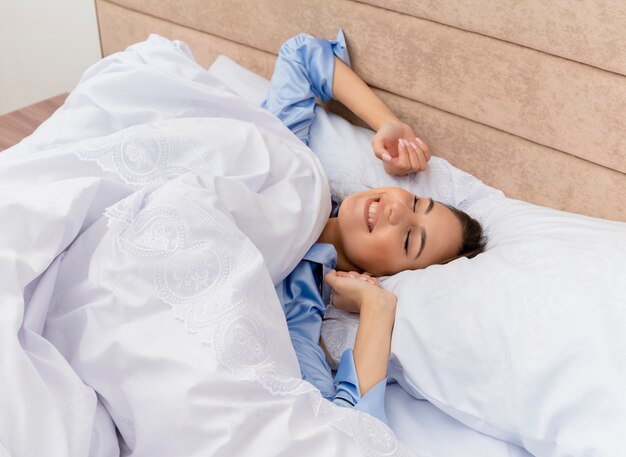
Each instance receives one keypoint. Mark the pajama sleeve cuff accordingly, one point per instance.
(316, 57)
(349, 395)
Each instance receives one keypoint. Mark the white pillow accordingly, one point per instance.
(526, 342)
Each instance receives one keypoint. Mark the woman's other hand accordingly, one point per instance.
(361, 293)
(400, 150)
(352, 290)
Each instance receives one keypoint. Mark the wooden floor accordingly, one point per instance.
(21, 123)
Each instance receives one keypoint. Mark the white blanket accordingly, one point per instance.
(137, 259)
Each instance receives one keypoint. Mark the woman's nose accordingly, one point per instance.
(397, 213)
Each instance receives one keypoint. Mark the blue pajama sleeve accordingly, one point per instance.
(348, 393)
(304, 70)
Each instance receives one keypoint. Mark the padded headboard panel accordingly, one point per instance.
(528, 96)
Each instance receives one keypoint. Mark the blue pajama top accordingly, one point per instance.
(304, 70)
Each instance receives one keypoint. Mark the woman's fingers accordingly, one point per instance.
(368, 278)
(382, 149)
(407, 160)
(331, 278)
(378, 145)
(355, 275)
(362, 276)
(371, 279)
(403, 161)
(424, 147)
(419, 157)
(349, 274)
(413, 156)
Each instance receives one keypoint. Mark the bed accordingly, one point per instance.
(94, 356)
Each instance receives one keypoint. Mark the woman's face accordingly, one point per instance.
(387, 230)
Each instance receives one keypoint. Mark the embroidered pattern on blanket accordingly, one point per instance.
(199, 263)
(146, 154)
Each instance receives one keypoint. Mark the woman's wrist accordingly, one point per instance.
(350, 90)
(382, 119)
(373, 338)
(381, 304)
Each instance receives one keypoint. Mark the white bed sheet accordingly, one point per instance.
(428, 431)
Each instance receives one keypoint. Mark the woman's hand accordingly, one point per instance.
(400, 150)
(355, 293)
(352, 290)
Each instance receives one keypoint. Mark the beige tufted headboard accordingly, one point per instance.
(528, 96)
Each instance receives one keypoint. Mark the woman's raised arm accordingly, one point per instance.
(395, 142)
(308, 68)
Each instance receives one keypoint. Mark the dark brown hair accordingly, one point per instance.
(474, 241)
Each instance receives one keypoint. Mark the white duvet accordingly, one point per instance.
(143, 228)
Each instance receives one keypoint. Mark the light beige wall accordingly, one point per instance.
(45, 46)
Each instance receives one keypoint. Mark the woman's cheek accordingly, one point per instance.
(360, 252)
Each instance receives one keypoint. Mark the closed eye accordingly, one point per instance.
(408, 235)
(406, 243)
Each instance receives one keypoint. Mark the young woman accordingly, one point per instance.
(373, 233)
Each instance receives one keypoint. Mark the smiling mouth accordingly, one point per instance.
(372, 210)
